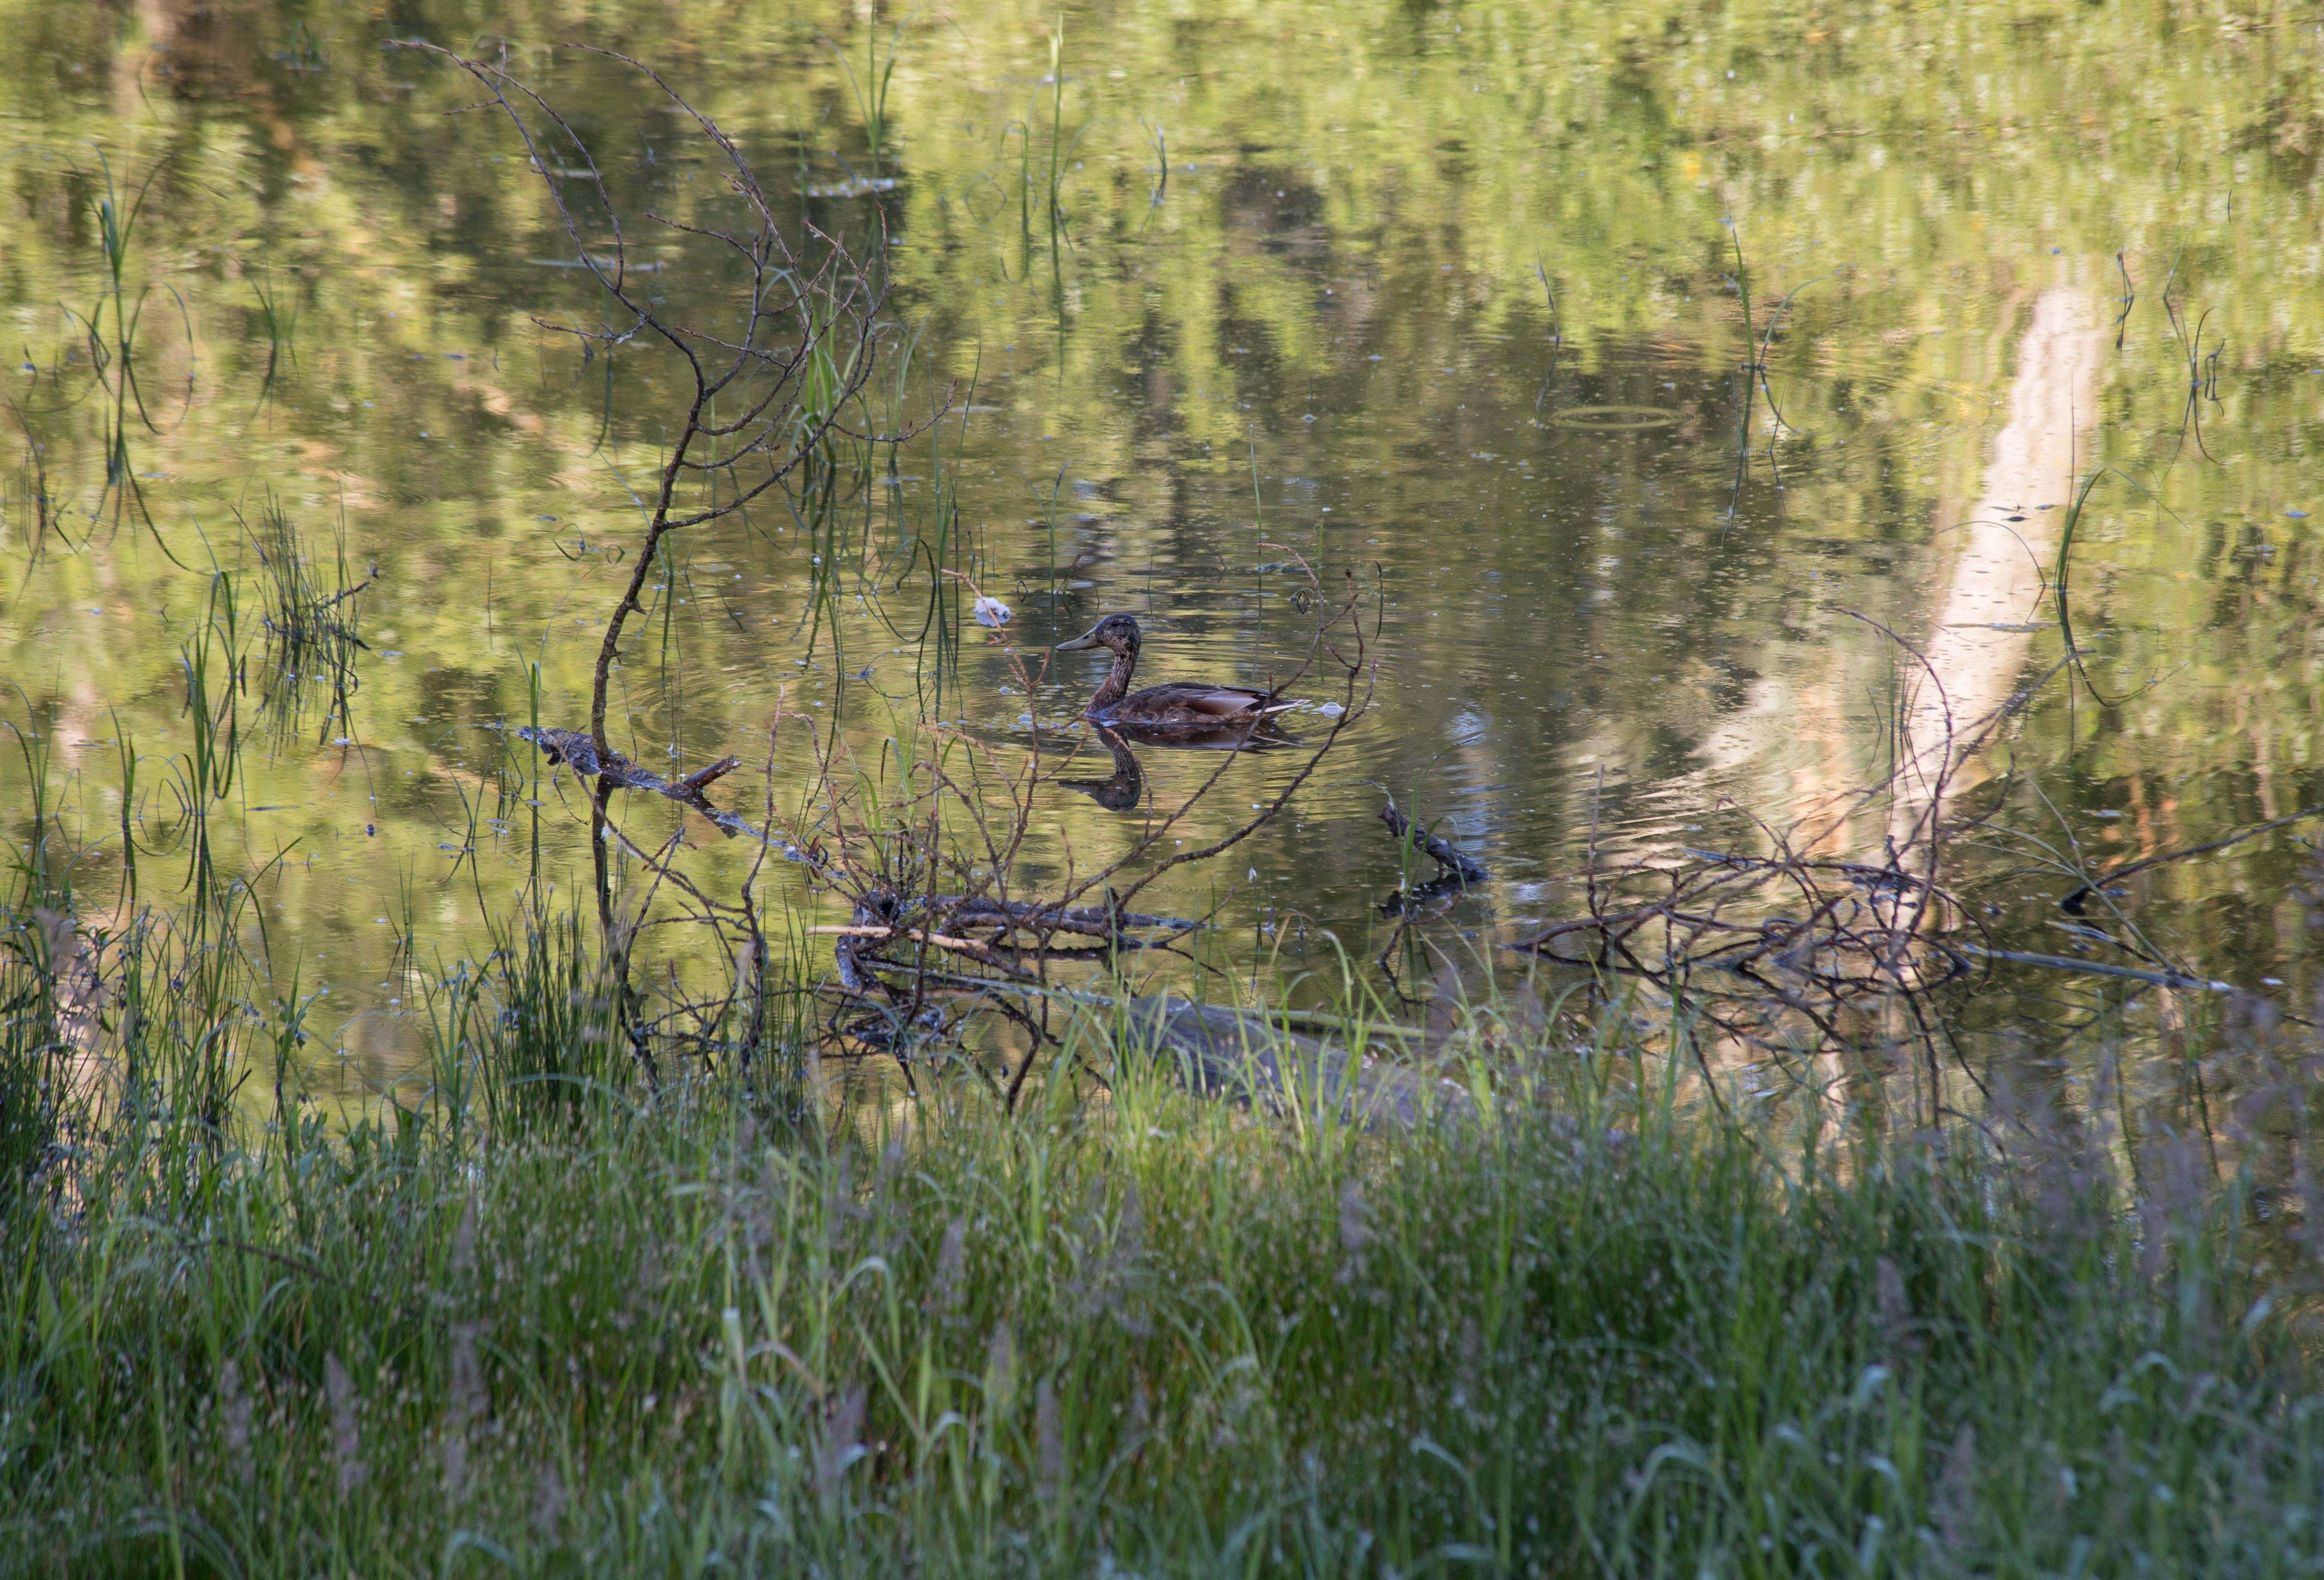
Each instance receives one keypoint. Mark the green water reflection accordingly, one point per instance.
(1444, 295)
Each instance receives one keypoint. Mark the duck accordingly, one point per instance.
(1175, 704)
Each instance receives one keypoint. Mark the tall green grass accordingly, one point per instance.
(704, 1329)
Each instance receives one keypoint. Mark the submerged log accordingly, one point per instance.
(1033, 916)
(2097, 968)
(575, 749)
(1245, 1058)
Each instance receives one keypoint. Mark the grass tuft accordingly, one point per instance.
(545, 1321)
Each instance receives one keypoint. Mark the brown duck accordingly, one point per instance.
(1175, 704)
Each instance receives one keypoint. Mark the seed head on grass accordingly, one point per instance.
(1049, 1442)
(1355, 1230)
(347, 1427)
(1899, 1335)
(952, 1267)
(234, 1421)
(843, 1442)
(1953, 1509)
(463, 1408)
(1000, 1367)
(547, 1503)
(464, 1239)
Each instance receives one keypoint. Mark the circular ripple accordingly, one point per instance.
(1616, 419)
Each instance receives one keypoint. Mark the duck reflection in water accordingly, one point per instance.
(1121, 792)
(1125, 787)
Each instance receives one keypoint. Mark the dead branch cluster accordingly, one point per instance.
(925, 850)
(929, 855)
(1764, 947)
(1795, 950)
(1457, 872)
(1790, 949)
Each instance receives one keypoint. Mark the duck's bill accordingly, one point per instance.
(1087, 639)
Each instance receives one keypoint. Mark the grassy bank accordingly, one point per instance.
(564, 1326)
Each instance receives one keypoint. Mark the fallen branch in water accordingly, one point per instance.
(1089, 921)
(889, 919)
(2073, 903)
(574, 750)
(1425, 899)
(873, 930)
(1793, 949)
(1456, 861)
(2096, 968)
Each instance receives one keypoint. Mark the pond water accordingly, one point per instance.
(1673, 382)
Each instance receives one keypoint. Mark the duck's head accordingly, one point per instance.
(1116, 633)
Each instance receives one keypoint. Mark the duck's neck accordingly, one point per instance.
(1116, 681)
(1125, 763)
(1127, 785)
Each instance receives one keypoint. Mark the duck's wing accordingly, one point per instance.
(1223, 702)
(1250, 733)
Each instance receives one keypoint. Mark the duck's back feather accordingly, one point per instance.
(1190, 702)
